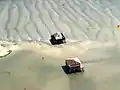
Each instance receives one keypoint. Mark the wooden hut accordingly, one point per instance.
(74, 65)
(57, 38)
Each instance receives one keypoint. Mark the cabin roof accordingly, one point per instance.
(76, 59)
(58, 35)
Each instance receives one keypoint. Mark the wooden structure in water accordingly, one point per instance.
(74, 65)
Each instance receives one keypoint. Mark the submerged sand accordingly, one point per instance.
(26, 69)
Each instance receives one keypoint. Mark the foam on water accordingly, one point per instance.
(71, 48)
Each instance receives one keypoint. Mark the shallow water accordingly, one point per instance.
(27, 69)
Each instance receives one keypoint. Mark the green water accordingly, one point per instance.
(27, 69)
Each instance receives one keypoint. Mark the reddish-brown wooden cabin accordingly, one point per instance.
(74, 65)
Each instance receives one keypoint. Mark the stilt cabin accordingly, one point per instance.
(74, 65)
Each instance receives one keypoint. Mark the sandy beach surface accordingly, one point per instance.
(32, 68)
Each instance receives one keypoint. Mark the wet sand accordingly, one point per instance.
(28, 70)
